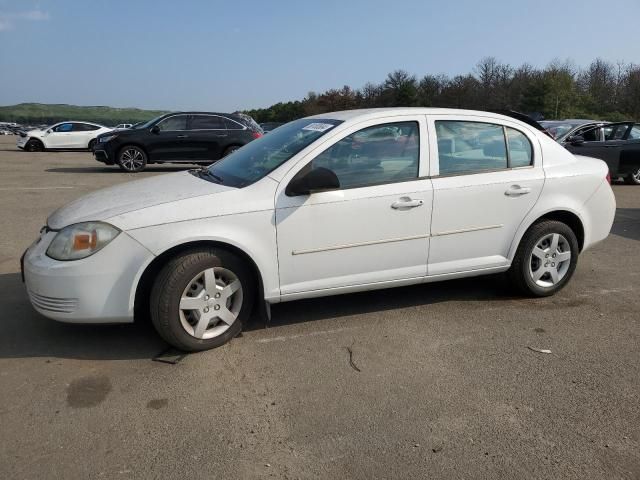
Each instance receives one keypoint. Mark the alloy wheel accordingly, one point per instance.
(211, 303)
(550, 260)
(132, 159)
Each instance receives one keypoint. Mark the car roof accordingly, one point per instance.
(347, 115)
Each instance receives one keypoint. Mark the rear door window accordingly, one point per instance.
(470, 147)
(207, 122)
(476, 147)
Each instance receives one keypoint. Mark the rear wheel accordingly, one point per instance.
(201, 299)
(34, 145)
(132, 159)
(634, 177)
(230, 149)
(545, 260)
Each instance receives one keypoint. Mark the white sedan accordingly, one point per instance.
(325, 205)
(64, 135)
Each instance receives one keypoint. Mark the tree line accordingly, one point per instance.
(602, 91)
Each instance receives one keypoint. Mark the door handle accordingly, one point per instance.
(183, 136)
(406, 202)
(517, 190)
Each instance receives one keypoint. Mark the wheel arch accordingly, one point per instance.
(144, 284)
(567, 216)
(36, 139)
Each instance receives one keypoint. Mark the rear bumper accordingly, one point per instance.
(600, 210)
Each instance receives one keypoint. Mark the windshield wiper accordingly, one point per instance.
(204, 172)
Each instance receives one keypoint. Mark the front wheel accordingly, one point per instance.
(34, 145)
(132, 159)
(634, 177)
(545, 260)
(201, 299)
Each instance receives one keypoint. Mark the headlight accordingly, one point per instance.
(81, 240)
(106, 139)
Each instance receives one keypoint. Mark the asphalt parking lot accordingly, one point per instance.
(432, 381)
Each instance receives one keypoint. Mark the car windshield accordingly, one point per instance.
(149, 123)
(258, 158)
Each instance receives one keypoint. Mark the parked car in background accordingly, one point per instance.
(325, 205)
(268, 126)
(618, 144)
(122, 126)
(63, 135)
(560, 130)
(182, 137)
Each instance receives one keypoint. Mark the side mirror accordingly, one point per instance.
(49, 131)
(155, 129)
(575, 140)
(317, 180)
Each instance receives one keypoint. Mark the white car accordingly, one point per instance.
(64, 135)
(123, 126)
(325, 205)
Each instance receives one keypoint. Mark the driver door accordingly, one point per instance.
(375, 227)
(60, 136)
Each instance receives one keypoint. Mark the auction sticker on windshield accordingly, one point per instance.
(318, 127)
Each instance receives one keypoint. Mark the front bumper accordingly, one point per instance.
(102, 155)
(22, 141)
(96, 289)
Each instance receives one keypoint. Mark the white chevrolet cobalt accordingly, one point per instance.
(325, 205)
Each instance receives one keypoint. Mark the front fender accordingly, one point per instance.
(253, 233)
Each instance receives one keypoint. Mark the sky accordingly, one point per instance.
(241, 54)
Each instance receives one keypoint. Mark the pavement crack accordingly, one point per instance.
(351, 362)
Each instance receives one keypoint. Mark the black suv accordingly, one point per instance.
(184, 137)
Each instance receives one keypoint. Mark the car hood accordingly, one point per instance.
(37, 132)
(132, 196)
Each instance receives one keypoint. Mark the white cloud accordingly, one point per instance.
(8, 20)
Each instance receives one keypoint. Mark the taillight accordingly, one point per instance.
(608, 177)
(256, 134)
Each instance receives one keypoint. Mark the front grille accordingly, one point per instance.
(52, 304)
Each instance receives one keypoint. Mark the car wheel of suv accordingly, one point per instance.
(633, 178)
(230, 149)
(201, 299)
(132, 159)
(92, 144)
(545, 260)
(34, 145)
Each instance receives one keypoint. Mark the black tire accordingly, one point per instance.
(132, 159)
(633, 178)
(34, 145)
(92, 144)
(230, 149)
(172, 282)
(520, 273)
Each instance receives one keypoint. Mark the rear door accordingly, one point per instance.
(487, 177)
(82, 133)
(207, 133)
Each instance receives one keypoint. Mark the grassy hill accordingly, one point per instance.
(39, 113)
